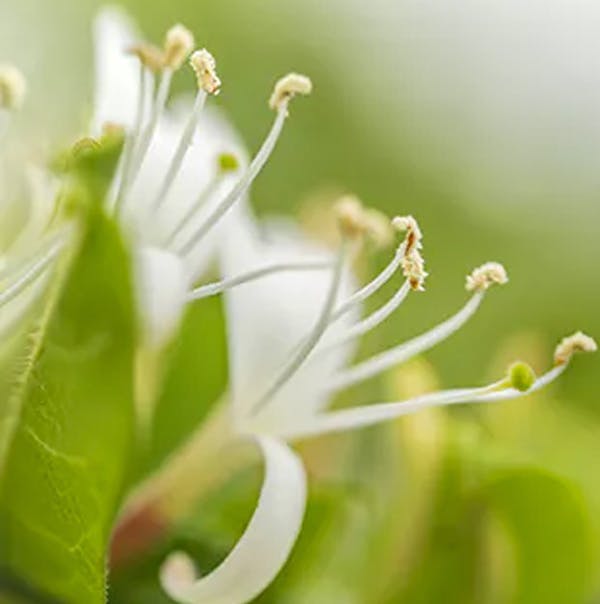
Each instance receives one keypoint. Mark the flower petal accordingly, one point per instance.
(269, 317)
(265, 545)
(116, 72)
(161, 285)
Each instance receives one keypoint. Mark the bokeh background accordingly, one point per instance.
(483, 120)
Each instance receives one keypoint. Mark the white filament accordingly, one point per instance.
(141, 149)
(243, 184)
(146, 79)
(403, 352)
(313, 338)
(202, 198)
(368, 415)
(370, 288)
(182, 148)
(218, 287)
(373, 320)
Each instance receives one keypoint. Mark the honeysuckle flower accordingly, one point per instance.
(291, 337)
(183, 169)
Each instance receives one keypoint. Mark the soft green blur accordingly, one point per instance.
(432, 510)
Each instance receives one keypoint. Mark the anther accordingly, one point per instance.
(179, 43)
(486, 275)
(13, 87)
(150, 56)
(413, 265)
(205, 68)
(578, 342)
(356, 221)
(288, 87)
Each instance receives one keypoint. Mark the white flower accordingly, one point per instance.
(173, 192)
(291, 336)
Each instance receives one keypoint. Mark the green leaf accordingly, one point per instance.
(546, 522)
(195, 378)
(67, 460)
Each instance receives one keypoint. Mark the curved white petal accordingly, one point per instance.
(116, 72)
(269, 317)
(213, 137)
(161, 285)
(265, 545)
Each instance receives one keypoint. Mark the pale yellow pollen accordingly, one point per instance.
(351, 216)
(486, 275)
(179, 43)
(13, 87)
(150, 56)
(578, 342)
(205, 68)
(413, 264)
(288, 87)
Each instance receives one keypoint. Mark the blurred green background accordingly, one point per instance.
(482, 120)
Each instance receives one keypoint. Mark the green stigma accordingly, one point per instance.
(521, 376)
(228, 162)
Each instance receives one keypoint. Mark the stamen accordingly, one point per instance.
(145, 83)
(413, 265)
(370, 288)
(356, 221)
(403, 352)
(13, 88)
(226, 163)
(486, 275)
(368, 415)
(204, 65)
(180, 152)
(219, 287)
(143, 145)
(313, 338)
(205, 68)
(246, 180)
(150, 57)
(288, 87)
(179, 43)
(578, 342)
(372, 321)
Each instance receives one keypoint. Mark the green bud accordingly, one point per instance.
(521, 376)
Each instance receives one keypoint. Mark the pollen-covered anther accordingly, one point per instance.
(413, 264)
(205, 68)
(13, 87)
(179, 43)
(486, 275)
(408, 225)
(379, 227)
(578, 342)
(150, 56)
(288, 87)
